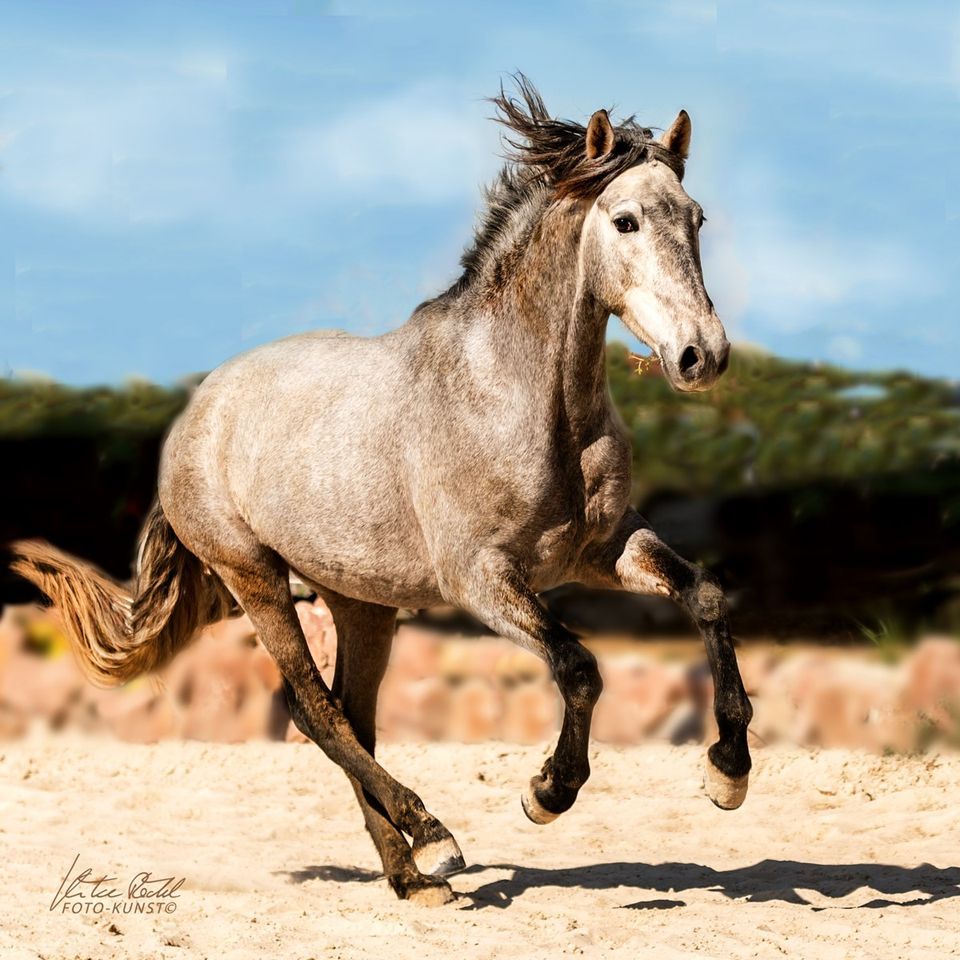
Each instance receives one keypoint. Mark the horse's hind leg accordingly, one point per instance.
(260, 584)
(364, 637)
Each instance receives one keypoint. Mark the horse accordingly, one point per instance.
(472, 456)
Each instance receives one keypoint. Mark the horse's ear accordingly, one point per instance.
(677, 138)
(600, 136)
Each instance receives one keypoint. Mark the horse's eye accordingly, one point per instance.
(626, 224)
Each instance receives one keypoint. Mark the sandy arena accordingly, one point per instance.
(835, 854)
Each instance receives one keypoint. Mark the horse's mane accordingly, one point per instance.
(546, 159)
(552, 152)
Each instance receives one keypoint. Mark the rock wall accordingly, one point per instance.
(226, 688)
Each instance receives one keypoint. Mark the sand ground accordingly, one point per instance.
(833, 855)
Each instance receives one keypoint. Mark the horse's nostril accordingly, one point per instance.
(690, 361)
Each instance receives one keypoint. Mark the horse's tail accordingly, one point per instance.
(117, 635)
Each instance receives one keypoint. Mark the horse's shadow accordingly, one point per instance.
(766, 880)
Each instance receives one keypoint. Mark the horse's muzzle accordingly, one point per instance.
(698, 367)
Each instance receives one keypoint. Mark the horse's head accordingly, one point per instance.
(641, 256)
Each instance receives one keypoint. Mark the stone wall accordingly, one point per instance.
(226, 688)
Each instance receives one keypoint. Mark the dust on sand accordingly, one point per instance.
(834, 854)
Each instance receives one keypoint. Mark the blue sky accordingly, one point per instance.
(179, 182)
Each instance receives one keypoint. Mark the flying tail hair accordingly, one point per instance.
(117, 635)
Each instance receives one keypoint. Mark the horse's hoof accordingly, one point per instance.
(533, 808)
(439, 858)
(434, 893)
(726, 792)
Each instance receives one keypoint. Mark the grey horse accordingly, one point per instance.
(472, 457)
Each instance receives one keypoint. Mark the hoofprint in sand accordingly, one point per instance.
(834, 854)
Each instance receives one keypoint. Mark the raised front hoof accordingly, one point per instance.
(539, 803)
(439, 858)
(423, 891)
(727, 793)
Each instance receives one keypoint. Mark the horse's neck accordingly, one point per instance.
(558, 328)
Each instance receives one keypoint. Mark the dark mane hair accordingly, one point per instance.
(546, 159)
(552, 152)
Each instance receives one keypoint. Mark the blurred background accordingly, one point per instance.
(181, 182)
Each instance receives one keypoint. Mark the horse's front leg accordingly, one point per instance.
(635, 559)
(493, 588)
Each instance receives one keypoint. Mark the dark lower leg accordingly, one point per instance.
(399, 867)
(364, 638)
(731, 705)
(264, 593)
(649, 566)
(555, 789)
(317, 716)
(704, 599)
(498, 595)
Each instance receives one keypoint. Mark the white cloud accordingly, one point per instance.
(955, 55)
(787, 270)
(420, 145)
(151, 145)
(204, 65)
(154, 140)
(785, 279)
(844, 349)
(858, 39)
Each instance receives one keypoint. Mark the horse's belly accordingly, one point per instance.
(397, 582)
